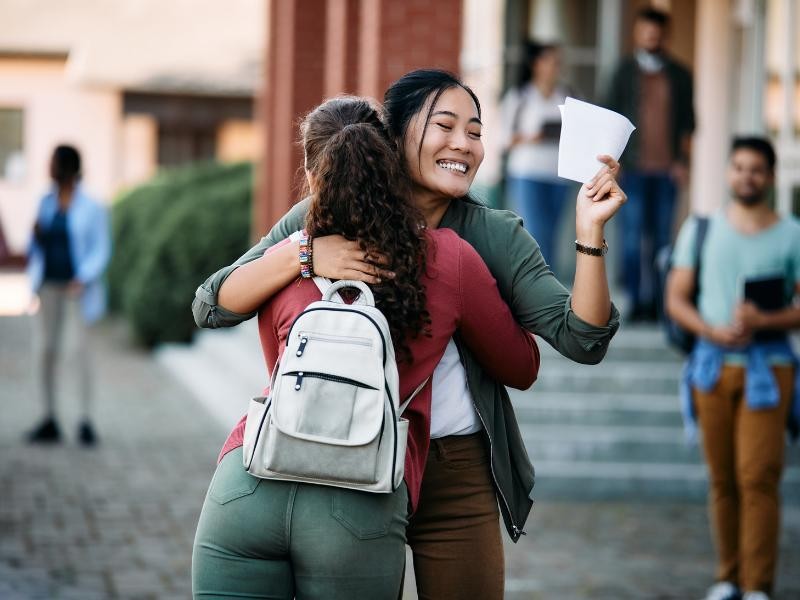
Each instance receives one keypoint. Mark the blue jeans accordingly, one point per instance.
(540, 203)
(646, 222)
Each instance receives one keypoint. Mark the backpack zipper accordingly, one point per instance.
(331, 339)
(300, 375)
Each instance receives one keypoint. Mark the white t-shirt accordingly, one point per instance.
(524, 111)
(452, 409)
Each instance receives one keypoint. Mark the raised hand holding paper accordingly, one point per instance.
(586, 132)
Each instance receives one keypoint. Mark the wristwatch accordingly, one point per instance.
(591, 250)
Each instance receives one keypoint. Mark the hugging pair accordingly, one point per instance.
(463, 288)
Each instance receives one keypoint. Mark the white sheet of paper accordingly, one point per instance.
(586, 131)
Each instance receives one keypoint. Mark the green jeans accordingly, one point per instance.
(260, 538)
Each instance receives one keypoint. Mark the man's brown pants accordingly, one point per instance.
(744, 451)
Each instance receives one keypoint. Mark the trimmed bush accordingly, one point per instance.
(170, 234)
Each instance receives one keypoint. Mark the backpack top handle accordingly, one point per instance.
(365, 297)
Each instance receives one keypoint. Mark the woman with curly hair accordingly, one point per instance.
(261, 538)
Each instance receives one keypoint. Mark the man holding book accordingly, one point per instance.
(741, 380)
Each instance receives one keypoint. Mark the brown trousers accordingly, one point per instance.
(744, 451)
(455, 533)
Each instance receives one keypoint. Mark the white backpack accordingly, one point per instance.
(332, 416)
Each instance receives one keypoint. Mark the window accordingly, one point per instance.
(12, 158)
(182, 145)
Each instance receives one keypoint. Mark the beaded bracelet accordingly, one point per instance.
(306, 257)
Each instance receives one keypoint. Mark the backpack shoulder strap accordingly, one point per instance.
(322, 283)
(700, 238)
(413, 395)
(274, 376)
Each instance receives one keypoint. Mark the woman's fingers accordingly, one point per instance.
(353, 251)
(356, 275)
(598, 176)
(368, 269)
(610, 162)
(376, 259)
(611, 168)
(594, 191)
(602, 191)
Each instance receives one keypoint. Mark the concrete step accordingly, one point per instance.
(238, 351)
(224, 398)
(605, 443)
(223, 369)
(570, 408)
(628, 377)
(627, 481)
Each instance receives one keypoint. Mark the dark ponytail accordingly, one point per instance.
(362, 192)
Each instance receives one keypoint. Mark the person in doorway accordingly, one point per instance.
(531, 126)
(654, 91)
(741, 379)
(68, 254)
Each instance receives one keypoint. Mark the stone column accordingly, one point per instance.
(711, 96)
(293, 84)
(788, 146)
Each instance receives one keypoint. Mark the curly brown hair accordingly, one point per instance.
(363, 193)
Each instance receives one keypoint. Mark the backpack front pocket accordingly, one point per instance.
(322, 405)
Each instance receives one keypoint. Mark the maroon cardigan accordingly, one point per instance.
(461, 295)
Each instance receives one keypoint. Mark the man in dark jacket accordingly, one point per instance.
(655, 92)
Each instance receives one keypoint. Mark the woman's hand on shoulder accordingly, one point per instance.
(600, 198)
(336, 257)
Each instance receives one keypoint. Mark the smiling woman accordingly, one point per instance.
(443, 150)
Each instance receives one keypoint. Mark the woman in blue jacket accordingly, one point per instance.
(69, 252)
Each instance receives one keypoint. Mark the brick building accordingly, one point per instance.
(320, 48)
(744, 55)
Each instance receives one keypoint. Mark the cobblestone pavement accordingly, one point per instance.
(118, 521)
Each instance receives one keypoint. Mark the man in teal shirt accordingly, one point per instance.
(740, 380)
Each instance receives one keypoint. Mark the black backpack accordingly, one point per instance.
(677, 336)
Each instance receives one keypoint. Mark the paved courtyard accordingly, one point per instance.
(118, 521)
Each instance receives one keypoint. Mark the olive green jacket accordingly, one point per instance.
(537, 299)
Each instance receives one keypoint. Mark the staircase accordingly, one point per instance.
(600, 432)
(614, 430)
(223, 369)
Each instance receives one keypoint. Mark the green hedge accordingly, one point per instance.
(169, 235)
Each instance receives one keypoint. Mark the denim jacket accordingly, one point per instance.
(704, 366)
(89, 244)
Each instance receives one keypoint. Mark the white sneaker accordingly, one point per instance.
(755, 596)
(723, 590)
